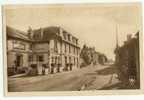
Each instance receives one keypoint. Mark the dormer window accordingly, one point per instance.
(30, 32)
(73, 40)
(76, 41)
(68, 37)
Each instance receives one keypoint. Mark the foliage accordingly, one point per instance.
(90, 56)
(127, 59)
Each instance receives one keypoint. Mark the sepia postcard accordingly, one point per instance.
(73, 49)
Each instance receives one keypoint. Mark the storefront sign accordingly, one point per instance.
(18, 45)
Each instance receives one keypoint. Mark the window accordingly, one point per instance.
(65, 60)
(30, 58)
(40, 58)
(55, 60)
(76, 42)
(77, 51)
(30, 46)
(74, 60)
(52, 59)
(65, 48)
(74, 50)
(68, 37)
(59, 60)
(72, 39)
(55, 46)
(61, 47)
(64, 35)
(70, 60)
(77, 61)
(69, 49)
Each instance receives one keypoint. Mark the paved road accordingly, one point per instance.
(88, 78)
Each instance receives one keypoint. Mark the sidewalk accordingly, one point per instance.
(18, 75)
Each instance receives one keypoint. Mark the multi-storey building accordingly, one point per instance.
(51, 48)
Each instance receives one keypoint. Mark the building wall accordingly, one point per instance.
(11, 58)
(25, 60)
(9, 45)
(17, 47)
(14, 44)
(66, 51)
(41, 47)
(55, 51)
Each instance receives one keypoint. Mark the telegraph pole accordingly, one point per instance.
(117, 44)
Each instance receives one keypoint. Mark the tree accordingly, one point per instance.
(85, 54)
(89, 56)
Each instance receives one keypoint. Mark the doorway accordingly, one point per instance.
(19, 60)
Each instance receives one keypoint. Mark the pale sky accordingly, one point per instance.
(94, 25)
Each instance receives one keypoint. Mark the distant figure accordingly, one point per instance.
(15, 67)
(43, 69)
(47, 68)
(58, 67)
(83, 87)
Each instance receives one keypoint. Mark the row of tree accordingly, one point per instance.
(90, 56)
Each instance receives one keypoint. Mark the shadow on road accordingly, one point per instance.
(107, 71)
(91, 73)
(114, 86)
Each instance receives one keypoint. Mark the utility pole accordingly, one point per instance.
(117, 44)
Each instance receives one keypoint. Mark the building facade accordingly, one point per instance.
(50, 49)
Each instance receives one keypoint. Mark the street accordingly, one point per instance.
(97, 77)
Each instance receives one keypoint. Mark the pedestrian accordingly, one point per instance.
(47, 68)
(15, 67)
(43, 69)
(58, 67)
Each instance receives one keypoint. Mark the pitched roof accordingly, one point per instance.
(48, 33)
(14, 33)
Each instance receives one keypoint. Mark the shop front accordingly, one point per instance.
(39, 64)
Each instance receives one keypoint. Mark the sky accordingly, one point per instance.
(93, 24)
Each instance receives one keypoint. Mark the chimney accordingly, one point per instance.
(30, 32)
(60, 31)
